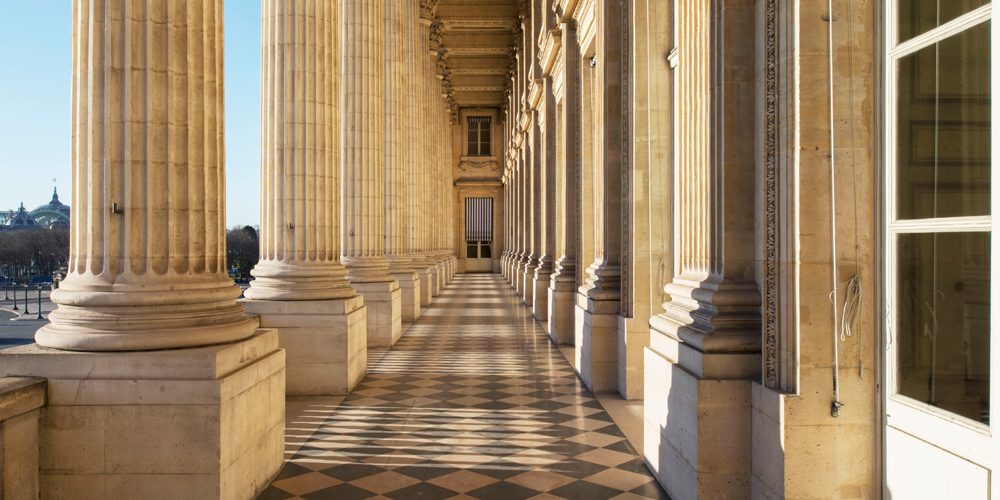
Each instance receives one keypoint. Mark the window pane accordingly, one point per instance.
(484, 251)
(473, 137)
(919, 16)
(944, 321)
(943, 131)
(470, 251)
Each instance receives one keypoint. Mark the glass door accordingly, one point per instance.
(938, 249)
(479, 235)
(478, 256)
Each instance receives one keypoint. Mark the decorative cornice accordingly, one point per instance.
(771, 252)
(524, 8)
(427, 8)
(535, 93)
(437, 33)
(549, 50)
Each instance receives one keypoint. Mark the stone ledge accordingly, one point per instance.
(20, 395)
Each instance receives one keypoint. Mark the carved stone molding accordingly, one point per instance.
(627, 237)
(474, 163)
(437, 33)
(427, 8)
(771, 253)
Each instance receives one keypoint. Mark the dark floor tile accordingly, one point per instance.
(651, 489)
(272, 493)
(291, 469)
(350, 472)
(422, 491)
(502, 491)
(427, 470)
(501, 469)
(343, 491)
(583, 490)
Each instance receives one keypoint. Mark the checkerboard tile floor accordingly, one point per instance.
(473, 402)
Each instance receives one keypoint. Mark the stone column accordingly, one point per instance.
(147, 274)
(432, 95)
(416, 199)
(705, 349)
(397, 20)
(300, 281)
(424, 75)
(599, 299)
(522, 218)
(363, 168)
(562, 283)
(545, 120)
(531, 163)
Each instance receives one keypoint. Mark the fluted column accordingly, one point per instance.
(363, 136)
(147, 264)
(363, 168)
(562, 283)
(396, 181)
(300, 161)
(417, 198)
(425, 71)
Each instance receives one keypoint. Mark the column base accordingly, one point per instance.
(409, 296)
(540, 304)
(434, 273)
(562, 317)
(383, 300)
(633, 338)
(697, 436)
(425, 286)
(518, 278)
(597, 342)
(528, 280)
(325, 342)
(200, 423)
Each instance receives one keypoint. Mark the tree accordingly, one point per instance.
(242, 251)
(37, 252)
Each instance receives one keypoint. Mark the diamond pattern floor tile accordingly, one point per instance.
(473, 402)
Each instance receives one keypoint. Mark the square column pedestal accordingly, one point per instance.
(434, 274)
(697, 419)
(562, 293)
(200, 423)
(409, 296)
(528, 285)
(540, 304)
(325, 342)
(426, 288)
(597, 342)
(384, 302)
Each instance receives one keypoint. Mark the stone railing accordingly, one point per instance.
(20, 401)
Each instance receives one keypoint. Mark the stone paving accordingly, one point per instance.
(473, 402)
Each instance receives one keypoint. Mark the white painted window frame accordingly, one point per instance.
(965, 438)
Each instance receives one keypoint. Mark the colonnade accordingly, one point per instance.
(354, 154)
(660, 217)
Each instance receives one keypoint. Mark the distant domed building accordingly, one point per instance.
(53, 214)
(19, 219)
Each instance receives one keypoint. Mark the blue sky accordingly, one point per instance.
(35, 105)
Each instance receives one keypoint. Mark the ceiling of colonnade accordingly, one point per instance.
(477, 36)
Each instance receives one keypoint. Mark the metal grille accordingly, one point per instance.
(479, 219)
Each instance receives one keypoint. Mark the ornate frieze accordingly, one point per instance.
(427, 8)
(628, 293)
(480, 163)
(770, 309)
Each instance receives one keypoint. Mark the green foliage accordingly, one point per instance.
(27, 253)
(242, 251)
